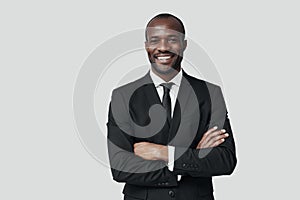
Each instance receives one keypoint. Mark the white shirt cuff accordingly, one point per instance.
(171, 155)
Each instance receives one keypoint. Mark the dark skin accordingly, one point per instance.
(165, 46)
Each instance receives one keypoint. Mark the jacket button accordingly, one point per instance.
(172, 193)
(184, 165)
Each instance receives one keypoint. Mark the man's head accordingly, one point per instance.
(165, 43)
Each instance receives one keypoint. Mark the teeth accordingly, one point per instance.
(164, 57)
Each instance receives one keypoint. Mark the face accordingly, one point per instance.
(165, 45)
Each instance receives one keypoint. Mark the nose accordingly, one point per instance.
(163, 45)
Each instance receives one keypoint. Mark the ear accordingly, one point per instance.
(184, 44)
(146, 45)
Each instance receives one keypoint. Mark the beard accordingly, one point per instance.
(174, 67)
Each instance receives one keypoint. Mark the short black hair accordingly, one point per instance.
(166, 15)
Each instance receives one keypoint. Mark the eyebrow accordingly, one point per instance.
(167, 36)
(173, 36)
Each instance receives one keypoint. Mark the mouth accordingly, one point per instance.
(164, 58)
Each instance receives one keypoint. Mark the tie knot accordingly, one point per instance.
(167, 86)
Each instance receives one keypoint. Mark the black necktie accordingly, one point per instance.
(166, 101)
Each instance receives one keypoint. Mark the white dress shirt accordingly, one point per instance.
(173, 95)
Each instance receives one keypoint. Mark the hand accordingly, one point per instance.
(151, 151)
(212, 138)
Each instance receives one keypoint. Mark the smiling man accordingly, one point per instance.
(168, 132)
(165, 45)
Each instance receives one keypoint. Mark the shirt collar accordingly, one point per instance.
(157, 80)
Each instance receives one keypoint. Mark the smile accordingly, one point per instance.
(163, 58)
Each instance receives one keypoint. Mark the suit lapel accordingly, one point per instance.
(181, 102)
(151, 98)
(184, 93)
(150, 90)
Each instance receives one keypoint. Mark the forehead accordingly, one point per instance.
(164, 27)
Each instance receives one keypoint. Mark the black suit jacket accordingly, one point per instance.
(200, 105)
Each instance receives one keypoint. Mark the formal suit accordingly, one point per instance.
(200, 105)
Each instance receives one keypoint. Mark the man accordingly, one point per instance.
(168, 132)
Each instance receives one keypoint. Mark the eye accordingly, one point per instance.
(154, 41)
(173, 40)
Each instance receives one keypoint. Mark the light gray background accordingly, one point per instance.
(254, 44)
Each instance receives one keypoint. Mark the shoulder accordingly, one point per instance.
(200, 84)
(129, 88)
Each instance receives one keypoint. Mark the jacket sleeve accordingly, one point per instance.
(125, 165)
(220, 160)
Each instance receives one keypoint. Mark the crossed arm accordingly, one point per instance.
(144, 163)
(152, 151)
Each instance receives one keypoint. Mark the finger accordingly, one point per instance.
(216, 133)
(206, 137)
(210, 130)
(212, 140)
(213, 134)
(217, 143)
(217, 138)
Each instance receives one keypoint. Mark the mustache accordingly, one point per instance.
(165, 53)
